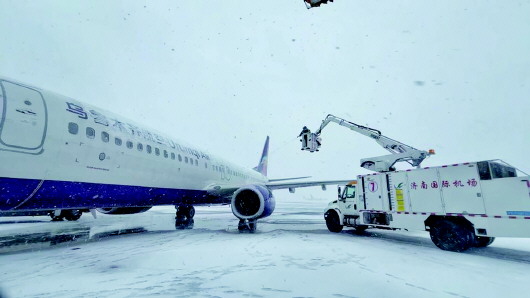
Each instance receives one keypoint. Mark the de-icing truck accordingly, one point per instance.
(461, 205)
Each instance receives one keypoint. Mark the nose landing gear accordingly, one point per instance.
(247, 225)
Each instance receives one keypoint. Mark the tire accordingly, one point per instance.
(72, 215)
(333, 221)
(252, 226)
(54, 217)
(481, 241)
(191, 212)
(247, 226)
(451, 235)
(184, 224)
(186, 211)
(360, 229)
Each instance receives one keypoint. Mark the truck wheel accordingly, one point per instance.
(360, 229)
(333, 221)
(452, 236)
(483, 241)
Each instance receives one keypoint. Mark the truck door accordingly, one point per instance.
(347, 203)
(373, 188)
(23, 118)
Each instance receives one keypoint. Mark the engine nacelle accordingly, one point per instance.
(123, 210)
(252, 202)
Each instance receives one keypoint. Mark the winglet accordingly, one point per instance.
(262, 166)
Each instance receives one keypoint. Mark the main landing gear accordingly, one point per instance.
(68, 214)
(247, 225)
(184, 217)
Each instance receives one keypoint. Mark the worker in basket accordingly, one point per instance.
(304, 134)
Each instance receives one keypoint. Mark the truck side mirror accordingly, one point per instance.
(339, 192)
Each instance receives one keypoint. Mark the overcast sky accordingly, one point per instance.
(453, 76)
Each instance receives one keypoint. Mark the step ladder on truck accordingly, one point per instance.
(461, 205)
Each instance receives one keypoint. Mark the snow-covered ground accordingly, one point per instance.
(291, 255)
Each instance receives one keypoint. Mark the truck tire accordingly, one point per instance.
(481, 241)
(360, 229)
(333, 221)
(452, 235)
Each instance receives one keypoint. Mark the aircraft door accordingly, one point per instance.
(23, 121)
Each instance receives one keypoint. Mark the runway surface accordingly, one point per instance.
(292, 254)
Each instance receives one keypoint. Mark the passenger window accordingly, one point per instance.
(90, 133)
(73, 128)
(165, 154)
(186, 159)
(129, 144)
(196, 162)
(148, 149)
(157, 151)
(180, 158)
(172, 155)
(105, 136)
(117, 141)
(140, 147)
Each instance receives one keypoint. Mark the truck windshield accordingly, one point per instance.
(492, 170)
(501, 171)
(350, 192)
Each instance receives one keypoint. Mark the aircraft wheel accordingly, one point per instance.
(252, 226)
(72, 215)
(185, 211)
(54, 217)
(333, 221)
(483, 241)
(184, 224)
(247, 226)
(191, 212)
(452, 236)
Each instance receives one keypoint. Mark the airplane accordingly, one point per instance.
(61, 155)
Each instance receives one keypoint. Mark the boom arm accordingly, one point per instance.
(400, 151)
(315, 3)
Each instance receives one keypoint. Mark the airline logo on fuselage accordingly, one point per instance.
(130, 129)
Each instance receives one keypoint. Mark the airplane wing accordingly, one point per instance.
(293, 185)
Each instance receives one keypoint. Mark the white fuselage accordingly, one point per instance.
(57, 152)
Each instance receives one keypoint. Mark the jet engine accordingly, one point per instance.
(252, 202)
(123, 210)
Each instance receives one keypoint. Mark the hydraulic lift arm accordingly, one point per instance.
(400, 152)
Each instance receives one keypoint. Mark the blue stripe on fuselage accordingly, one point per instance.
(65, 194)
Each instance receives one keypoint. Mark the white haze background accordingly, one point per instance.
(449, 75)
